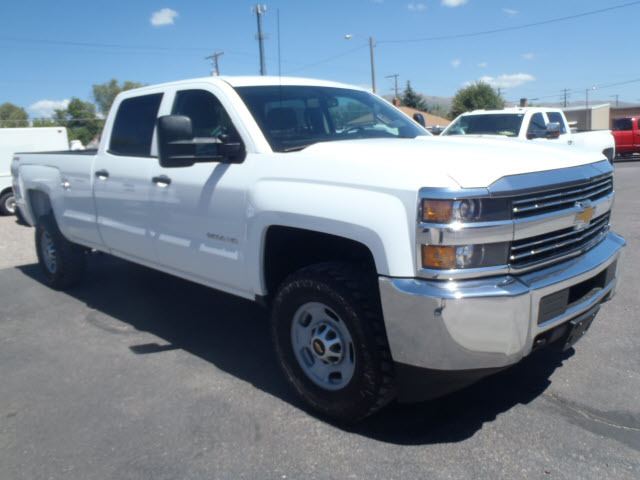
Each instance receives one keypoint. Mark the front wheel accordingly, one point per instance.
(8, 204)
(330, 341)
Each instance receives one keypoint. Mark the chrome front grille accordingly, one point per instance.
(560, 199)
(552, 245)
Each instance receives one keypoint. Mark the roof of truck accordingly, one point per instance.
(513, 110)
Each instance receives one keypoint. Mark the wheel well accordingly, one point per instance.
(289, 249)
(6, 190)
(39, 203)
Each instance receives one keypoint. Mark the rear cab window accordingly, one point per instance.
(133, 127)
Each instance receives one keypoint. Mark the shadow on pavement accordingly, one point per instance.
(233, 334)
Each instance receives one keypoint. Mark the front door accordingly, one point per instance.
(122, 179)
(199, 212)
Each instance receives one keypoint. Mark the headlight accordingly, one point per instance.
(464, 210)
(438, 257)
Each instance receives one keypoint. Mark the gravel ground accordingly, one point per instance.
(135, 374)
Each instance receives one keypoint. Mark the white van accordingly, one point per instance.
(39, 139)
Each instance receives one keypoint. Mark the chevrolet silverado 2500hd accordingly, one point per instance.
(387, 256)
(543, 124)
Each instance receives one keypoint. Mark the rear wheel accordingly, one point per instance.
(7, 204)
(330, 341)
(62, 262)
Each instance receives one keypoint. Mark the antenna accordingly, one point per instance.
(278, 17)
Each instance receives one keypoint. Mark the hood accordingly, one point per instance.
(470, 162)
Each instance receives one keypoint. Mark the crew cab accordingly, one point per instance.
(531, 123)
(394, 263)
(626, 132)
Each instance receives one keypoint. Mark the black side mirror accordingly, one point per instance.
(418, 117)
(177, 147)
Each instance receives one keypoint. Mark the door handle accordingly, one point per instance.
(161, 181)
(102, 174)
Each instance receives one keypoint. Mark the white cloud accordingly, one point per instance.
(166, 16)
(416, 6)
(45, 108)
(510, 11)
(453, 3)
(455, 63)
(483, 64)
(508, 81)
(528, 56)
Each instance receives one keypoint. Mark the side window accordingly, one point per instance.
(622, 124)
(557, 117)
(208, 117)
(638, 123)
(537, 127)
(133, 128)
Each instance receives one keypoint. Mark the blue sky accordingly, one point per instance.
(52, 51)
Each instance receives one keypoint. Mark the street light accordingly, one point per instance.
(349, 36)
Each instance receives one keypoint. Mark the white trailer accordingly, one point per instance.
(38, 139)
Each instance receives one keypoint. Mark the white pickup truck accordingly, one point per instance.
(395, 264)
(532, 123)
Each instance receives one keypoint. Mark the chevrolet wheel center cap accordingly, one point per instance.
(318, 346)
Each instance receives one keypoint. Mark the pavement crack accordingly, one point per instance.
(589, 415)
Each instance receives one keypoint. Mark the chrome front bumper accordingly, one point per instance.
(487, 323)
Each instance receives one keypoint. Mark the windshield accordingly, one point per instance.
(490, 124)
(294, 117)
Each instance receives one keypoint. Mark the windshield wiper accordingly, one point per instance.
(297, 148)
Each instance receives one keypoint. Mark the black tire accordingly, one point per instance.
(69, 259)
(7, 204)
(353, 295)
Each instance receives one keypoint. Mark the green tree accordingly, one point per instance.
(12, 116)
(105, 93)
(474, 97)
(81, 120)
(44, 122)
(410, 98)
(438, 109)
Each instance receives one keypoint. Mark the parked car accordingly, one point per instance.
(626, 132)
(531, 123)
(395, 264)
(12, 140)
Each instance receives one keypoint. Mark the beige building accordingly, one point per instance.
(595, 117)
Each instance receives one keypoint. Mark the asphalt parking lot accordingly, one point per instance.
(138, 375)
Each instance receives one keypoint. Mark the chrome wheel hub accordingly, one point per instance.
(48, 251)
(323, 346)
(10, 204)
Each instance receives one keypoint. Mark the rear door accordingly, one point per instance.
(122, 179)
(636, 131)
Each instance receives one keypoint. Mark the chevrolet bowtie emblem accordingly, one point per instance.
(586, 215)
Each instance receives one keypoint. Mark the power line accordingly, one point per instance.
(508, 29)
(328, 59)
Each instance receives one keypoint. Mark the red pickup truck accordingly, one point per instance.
(626, 132)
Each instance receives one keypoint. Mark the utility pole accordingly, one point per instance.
(499, 92)
(616, 99)
(395, 76)
(373, 70)
(260, 10)
(565, 96)
(214, 62)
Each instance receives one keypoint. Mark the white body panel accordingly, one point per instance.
(209, 224)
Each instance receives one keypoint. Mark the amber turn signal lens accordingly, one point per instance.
(438, 257)
(438, 211)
